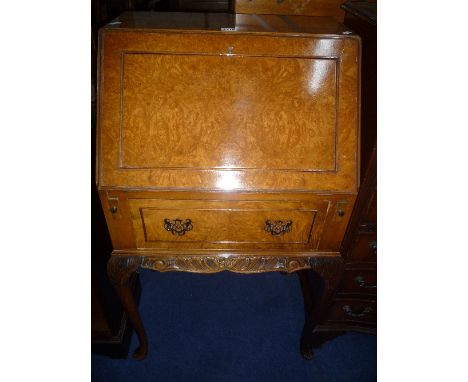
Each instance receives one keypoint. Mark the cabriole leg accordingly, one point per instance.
(330, 271)
(306, 340)
(119, 270)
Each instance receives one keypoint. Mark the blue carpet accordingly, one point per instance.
(228, 327)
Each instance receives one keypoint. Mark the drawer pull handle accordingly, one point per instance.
(362, 283)
(373, 246)
(278, 227)
(177, 227)
(350, 313)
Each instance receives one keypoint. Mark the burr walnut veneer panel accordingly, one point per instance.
(228, 111)
(207, 111)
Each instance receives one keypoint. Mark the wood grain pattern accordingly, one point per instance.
(292, 7)
(279, 158)
(207, 111)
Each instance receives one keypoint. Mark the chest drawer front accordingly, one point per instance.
(359, 281)
(354, 310)
(162, 223)
(364, 249)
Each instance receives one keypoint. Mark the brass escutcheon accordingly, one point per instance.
(278, 227)
(177, 227)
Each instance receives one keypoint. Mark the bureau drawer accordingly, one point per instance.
(207, 223)
(359, 281)
(353, 310)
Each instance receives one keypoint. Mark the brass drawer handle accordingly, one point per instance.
(177, 227)
(362, 283)
(350, 313)
(278, 227)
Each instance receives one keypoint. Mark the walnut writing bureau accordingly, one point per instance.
(227, 142)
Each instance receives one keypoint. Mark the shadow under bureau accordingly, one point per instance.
(227, 142)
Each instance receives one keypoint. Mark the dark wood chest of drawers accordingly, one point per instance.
(355, 303)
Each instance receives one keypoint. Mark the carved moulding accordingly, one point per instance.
(211, 263)
(239, 264)
(329, 265)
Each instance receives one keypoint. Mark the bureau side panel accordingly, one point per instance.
(119, 222)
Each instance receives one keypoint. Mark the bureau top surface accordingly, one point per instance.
(227, 22)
